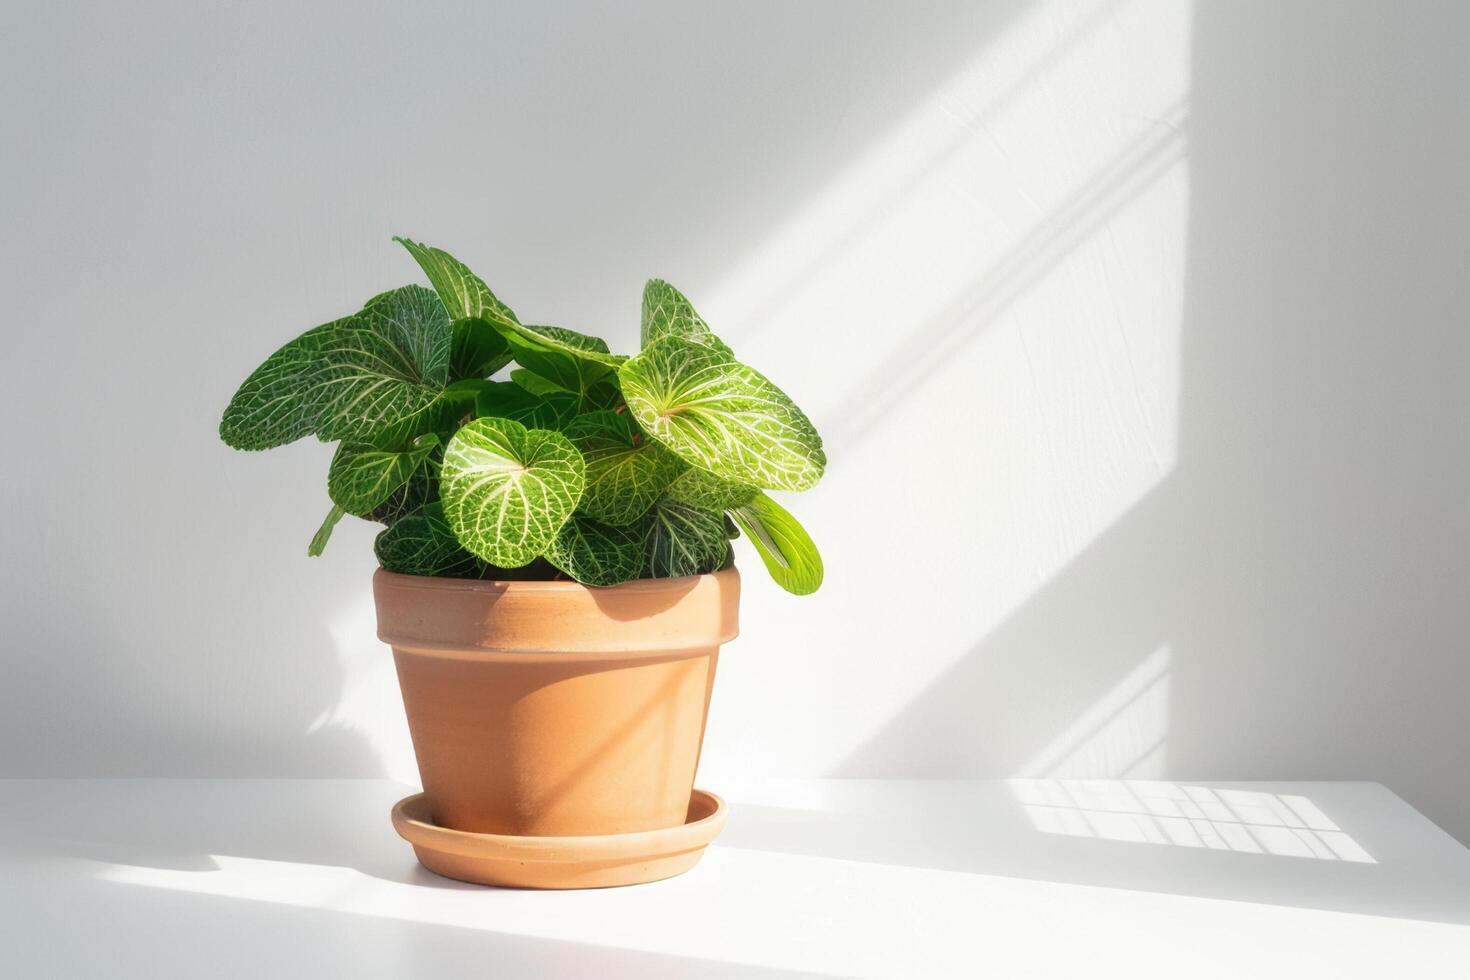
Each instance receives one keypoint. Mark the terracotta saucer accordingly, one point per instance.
(560, 862)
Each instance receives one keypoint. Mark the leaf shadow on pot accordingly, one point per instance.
(652, 600)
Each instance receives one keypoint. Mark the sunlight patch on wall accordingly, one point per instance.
(982, 315)
(1123, 733)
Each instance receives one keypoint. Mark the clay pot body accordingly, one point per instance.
(553, 709)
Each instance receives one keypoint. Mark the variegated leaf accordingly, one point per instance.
(570, 360)
(580, 346)
(601, 395)
(721, 415)
(361, 477)
(701, 488)
(626, 471)
(463, 393)
(595, 553)
(477, 350)
(421, 489)
(667, 313)
(503, 399)
(283, 399)
(683, 540)
(507, 490)
(385, 367)
(534, 383)
(362, 378)
(465, 294)
(422, 543)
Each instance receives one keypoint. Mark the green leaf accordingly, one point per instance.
(722, 416)
(383, 369)
(582, 346)
(477, 350)
(421, 489)
(362, 378)
(502, 399)
(507, 490)
(534, 383)
(667, 313)
(464, 294)
(411, 331)
(571, 369)
(362, 477)
(283, 399)
(463, 393)
(594, 553)
(324, 533)
(564, 338)
(571, 360)
(423, 544)
(626, 471)
(788, 551)
(701, 488)
(603, 395)
(566, 407)
(684, 540)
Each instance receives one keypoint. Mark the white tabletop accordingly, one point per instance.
(1041, 878)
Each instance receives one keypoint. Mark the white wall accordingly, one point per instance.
(1136, 332)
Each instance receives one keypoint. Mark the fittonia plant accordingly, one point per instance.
(584, 463)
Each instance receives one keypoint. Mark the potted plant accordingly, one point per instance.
(556, 576)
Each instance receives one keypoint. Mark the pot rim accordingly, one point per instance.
(401, 580)
(556, 621)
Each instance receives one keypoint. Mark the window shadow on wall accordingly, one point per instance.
(1305, 563)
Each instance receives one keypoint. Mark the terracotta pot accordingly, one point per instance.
(554, 709)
